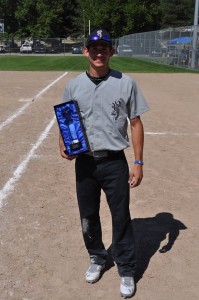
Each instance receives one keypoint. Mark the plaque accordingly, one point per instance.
(71, 127)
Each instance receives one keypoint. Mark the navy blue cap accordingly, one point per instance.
(98, 35)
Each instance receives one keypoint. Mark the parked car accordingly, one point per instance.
(39, 48)
(26, 48)
(11, 46)
(2, 49)
(156, 53)
(77, 49)
(124, 50)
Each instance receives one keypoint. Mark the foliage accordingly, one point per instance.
(7, 12)
(33, 22)
(176, 13)
(142, 16)
(121, 17)
(63, 18)
(41, 18)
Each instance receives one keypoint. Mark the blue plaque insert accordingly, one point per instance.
(71, 127)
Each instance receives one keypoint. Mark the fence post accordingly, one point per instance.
(195, 37)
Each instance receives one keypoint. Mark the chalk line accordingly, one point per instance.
(51, 84)
(11, 118)
(171, 133)
(10, 184)
(21, 110)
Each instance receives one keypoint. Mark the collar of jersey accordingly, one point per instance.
(97, 80)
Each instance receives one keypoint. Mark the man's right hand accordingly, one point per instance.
(63, 148)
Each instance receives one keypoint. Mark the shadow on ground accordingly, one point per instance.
(149, 233)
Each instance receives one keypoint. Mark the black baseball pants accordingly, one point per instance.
(111, 175)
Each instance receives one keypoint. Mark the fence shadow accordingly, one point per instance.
(149, 233)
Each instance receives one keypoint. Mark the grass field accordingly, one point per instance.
(80, 63)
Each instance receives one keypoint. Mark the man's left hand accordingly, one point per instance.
(136, 175)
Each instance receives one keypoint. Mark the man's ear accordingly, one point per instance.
(86, 51)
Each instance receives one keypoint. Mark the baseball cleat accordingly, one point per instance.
(127, 287)
(93, 273)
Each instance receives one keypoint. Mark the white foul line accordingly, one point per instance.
(170, 133)
(11, 118)
(46, 88)
(20, 110)
(9, 186)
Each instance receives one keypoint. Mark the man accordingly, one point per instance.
(107, 99)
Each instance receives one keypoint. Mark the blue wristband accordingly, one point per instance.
(138, 162)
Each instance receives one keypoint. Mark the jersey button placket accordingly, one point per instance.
(97, 122)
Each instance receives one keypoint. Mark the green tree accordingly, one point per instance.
(63, 18)
(7, 12)
(142, 16)
(44, 18)
(176, 13)
(106, 14)
(122, 17)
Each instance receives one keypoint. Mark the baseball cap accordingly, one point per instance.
(99, 35)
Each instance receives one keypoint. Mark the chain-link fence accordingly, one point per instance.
(170, 46)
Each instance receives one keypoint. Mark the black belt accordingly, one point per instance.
(102, 153)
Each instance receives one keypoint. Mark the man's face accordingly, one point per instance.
(99, 54)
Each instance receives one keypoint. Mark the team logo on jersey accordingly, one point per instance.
(116, 109)
(99, 33)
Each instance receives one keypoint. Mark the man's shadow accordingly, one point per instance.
(149, 233)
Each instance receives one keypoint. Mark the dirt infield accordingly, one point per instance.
(42, 251)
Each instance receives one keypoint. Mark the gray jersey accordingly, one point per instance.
(105, 108)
